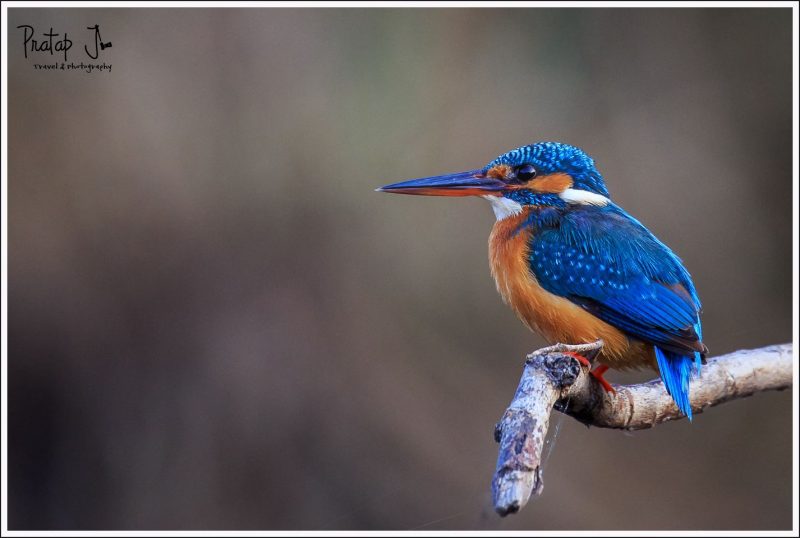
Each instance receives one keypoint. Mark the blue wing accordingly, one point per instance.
(605, 261)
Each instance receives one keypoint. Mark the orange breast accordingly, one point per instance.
(555, 318)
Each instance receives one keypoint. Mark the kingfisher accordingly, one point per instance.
(576, 267)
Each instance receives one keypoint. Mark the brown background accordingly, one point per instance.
(214, 322)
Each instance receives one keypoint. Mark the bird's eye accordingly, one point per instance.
(525, 172)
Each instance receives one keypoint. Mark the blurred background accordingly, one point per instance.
(216, 323)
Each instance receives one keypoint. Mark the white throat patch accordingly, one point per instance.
(503, 207)
(577, 196)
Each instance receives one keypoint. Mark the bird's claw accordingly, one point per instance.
(580, 358)
(585, 351)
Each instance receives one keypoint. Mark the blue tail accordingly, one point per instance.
(675, 371)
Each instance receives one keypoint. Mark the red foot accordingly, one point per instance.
(597, 373)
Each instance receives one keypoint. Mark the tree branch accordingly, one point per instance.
(553, 379)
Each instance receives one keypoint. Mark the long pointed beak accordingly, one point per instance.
(472, 183)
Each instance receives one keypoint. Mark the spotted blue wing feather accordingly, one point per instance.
(605, 261)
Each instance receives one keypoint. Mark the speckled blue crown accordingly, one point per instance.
(553, 157)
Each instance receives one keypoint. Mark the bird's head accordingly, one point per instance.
(541, 174)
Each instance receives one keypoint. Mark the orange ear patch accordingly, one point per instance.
(551, 183)
(501, 171)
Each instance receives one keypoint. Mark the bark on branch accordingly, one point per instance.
(553, 379)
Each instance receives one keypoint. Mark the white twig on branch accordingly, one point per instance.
(553, 379)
